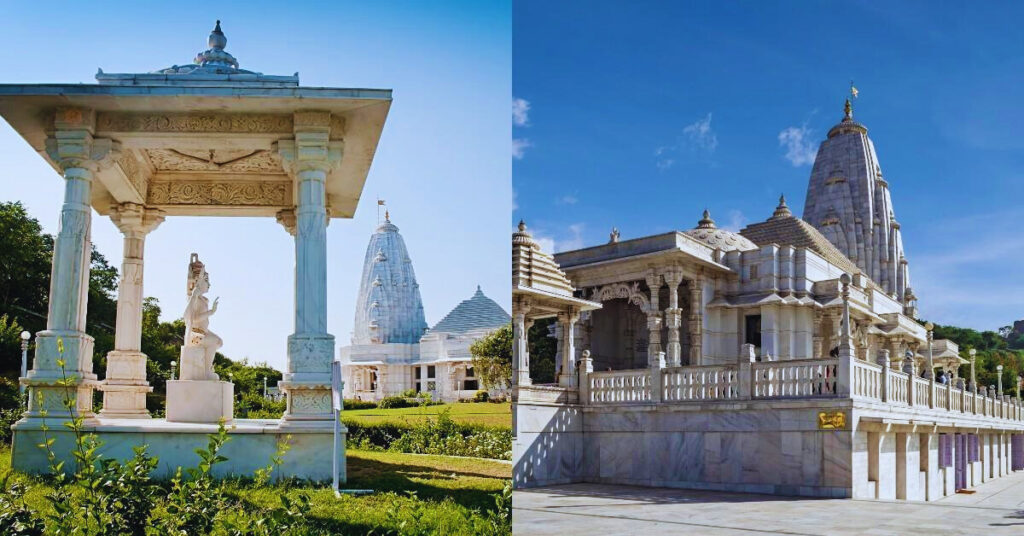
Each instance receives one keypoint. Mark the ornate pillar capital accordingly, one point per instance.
(135, 220)
(286, 217)
(72, 144)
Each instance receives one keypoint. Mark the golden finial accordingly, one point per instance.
(848, 110)
(387, 215)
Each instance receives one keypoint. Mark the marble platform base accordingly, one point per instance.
(251, 444)
(190, 401)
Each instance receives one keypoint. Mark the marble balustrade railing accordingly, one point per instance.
(795, 378)
(713, 382)
(620, 386)
(801, 378)
(875, 382)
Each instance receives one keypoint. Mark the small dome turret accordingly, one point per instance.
(709, 234)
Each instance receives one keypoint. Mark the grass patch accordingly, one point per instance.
(485, 414)
(417, 494)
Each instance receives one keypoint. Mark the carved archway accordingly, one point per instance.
(625, 291)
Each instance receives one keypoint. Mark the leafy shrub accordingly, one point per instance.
(481, 396)
(7, 418)
(15, 516)
(351, 403)
(408, 393)
(442, 436)
(393, 402)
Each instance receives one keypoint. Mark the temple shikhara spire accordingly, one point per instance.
(389, 308)
(848, 200)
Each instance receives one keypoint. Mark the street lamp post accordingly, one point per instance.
(25, 336)
(999, 380)
(173, 363)
(264, 387)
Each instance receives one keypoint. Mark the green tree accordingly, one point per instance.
(542, 351)
(24, 266)
(492, 357)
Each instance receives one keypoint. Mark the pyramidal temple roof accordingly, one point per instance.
(785, 229)
(478, 312)
(389, 308)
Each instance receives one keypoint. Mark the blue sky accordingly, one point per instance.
(640, 115)
(442, 164)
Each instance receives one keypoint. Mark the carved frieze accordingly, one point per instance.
(631, 293)
(193, 122)
(259, 161)
(228, 123)
(242, 193)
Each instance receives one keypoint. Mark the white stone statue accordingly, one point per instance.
(201, 344)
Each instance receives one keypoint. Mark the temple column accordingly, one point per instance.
(653, 319)
(696, 321)
(567, 326)
(63, 349)
(818, 340)
(308, 159)
(520, 344)
(125, 387)
(673, 317)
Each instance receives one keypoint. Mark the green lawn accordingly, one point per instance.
(435, 494)
(498, 415)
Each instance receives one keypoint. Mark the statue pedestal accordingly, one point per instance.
(200, 401)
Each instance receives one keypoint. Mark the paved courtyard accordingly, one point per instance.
(996, 508)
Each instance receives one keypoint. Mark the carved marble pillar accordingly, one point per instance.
(895, 344)
(696, 321)
(567, 324)
(308, 159)
(64, 343)
(818, 339)
(673, 318)
(844, 374)
(125, 387)
(520, 344)
(653, 320)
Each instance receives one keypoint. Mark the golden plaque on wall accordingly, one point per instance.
(831, 420)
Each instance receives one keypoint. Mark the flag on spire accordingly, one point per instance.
(853, 90)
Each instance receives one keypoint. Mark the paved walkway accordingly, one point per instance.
(996, 508)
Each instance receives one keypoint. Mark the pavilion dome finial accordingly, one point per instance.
(216, 58)
(706, 222)
(522, 236)
(847, 111)
(217, 39)
(782, 211)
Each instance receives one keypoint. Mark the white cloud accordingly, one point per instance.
(799, 145)
(736, 221)
(568, 200)
(569, 240)
(701, 135)
(546, 244)
(519, 146)
(520, 112)
(697, 136)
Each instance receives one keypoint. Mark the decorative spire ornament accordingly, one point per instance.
(706, 222)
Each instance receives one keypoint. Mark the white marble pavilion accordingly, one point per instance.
(392, 349)
(785, 358)
(202, 139)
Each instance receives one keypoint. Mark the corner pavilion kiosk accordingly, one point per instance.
(204, 139)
